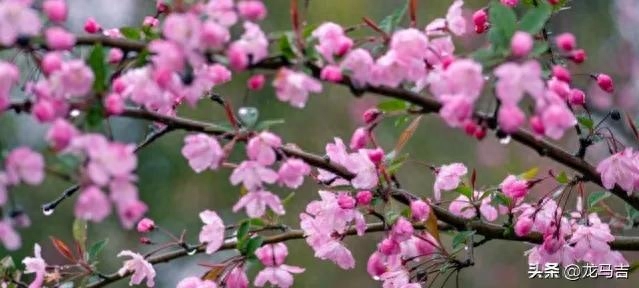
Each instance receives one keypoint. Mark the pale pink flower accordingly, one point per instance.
(92, 205)
(621, 168)
(363, 168)
(337, 154)
(359, 138)
(214, 35)
(9, 77)
(255, 203)
(331, 73)
(74, 77)
(139, 266)
(359, 63)
(131, 212)
(195, 282)
(111, 160)
(17, 19)
(60, 134)
(514, 187)
(183, 29)
(24, 164)
(252, 45)
(9, 237)
(510, 118)
(58, 38)
(462, 78)
(294, 87)
(279, 276)
(448, 177)
(420, 210)
(336, 252)
(261, 148)
(521, 44)
(237, 278)
(222, 11)
(167, 55)
(591, 241)
(332, 41)
(202, 151)
(252, 10)
(212, 233)
(36, 265)
(516, 79)
(291, 173)
(455, 20)
(557, 118)
(462, 207)
(56, 10)
(456, 111)
(252, 174)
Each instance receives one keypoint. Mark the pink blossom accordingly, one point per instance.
(195, 282)
(36, 265)
(566, 42)
(60, 134)
(252, 10)
(364, 197)
(516, 79)
(24, 164)
(222, 11)
(620, 168)
(139, 266)
(591, 241)
(513, 187)
(255, 203)
(456, 111)
(237, 278)
(256, 82)
(359, 63)
(557, 118)
(115, 55)
(212, 233)
(605, 83)
(577, 97)
(183, 29)
(272, 254)
(510, 3)
(420, 210)
(92, 26)
(332, 41)
(9, 76)
(130, 212)
(17, 19)
(462, 78)
(252, 45)
(279, 276)
(145, 225)
(510, 118)
(214, 35)
(292, 172)
(462, 207)
(58, 38)
(448, 177)
(402, 230)
(92, 205)
(261, 148)
(167, 56)
(480, 19)
(345, 201)
(150, 21)
(363, 168)
(561, 73)
(294, 87)
(359, 138)
(110, 160)
(455, 20)
(331, 73)
(252, 174)
(114, 104)
(202, 151)
(56, 10)
(335, 251)
(75, 78)
(9, 237)
(523, 226)
(521, 44)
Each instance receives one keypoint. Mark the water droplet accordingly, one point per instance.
(191, 252)
(505, 140)
(466, 247)
(248, 115)
(47, 211)
(75, 113)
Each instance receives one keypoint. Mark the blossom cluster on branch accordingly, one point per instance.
(182, 53)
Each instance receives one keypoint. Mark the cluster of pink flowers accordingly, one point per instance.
(276, 272)
(621, 168)
(359, 163)
(18, 19)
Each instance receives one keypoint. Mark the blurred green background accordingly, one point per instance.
(176, 195)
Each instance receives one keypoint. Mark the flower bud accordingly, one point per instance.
(345, 201)
(537, 125)
(605, 83)
(577, 97)
(523, 226)
(521, 44)
(59, 39)
(256, 82)
(56, 10)
(114, 104)
(359, 139)
(146, 225)
(364, 197)
(376, 155)
(578, 56)
(371, 115)
(51, 62)
(115, 56)
(252, 10)
(480, 19)
(566, 42)
(561, 73)
(331, 73)
(91, 26)
(388, 247)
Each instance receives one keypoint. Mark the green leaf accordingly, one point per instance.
(562, 178)
(396, 163)
(95, 115)
(286, 46)
(288, 198)
(632, 213)
(391, 216)
(487, 57)
(535, 19)
(539, 48)
(97, 62)
(465, 190)
(530, 174)
(502, 199)
(585, 121)
(96, 248)
(390, 22)
(80, 231)
(263, 125)
(596, 197)
(393, 105)
(462, 237)
(242, 231)
(252, 245)
(504, 23)
(132, 33)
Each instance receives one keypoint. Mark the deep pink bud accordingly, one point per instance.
(146, 241)
(523, 226)
(43, 110)
(521, 44)
(561, 73)
(553, 2)
(58, 38)
(480, 19)
(345, 201)
(577, 97)
(118, 85)
(56, 10)
(481, 133)
(91, 26)
(331, 73)
(376, 155)
(470, 128)
(252, 10)
(161, 7)
(375, 265)
(371, 115)
(359, 139)
(146, 225)
(256, 82)
(510, 3)
(605, 83)
(364, 197)
(388, 247)
(51, 62)
(537, 125)
(114, 104)
(578, 56)
(566, 42)
(115, 55)
(419, 210)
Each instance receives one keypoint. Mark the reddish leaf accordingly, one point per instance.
(473, 179)
(63, 249)
(407, 134)
(412, 12)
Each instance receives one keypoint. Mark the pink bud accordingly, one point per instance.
(364, 197)
(256, 82)
(237, 58)
(161, 7)
(375, 265)
(566, 42)
(561, 73)
(578, 56)
(560, 87)
(56, 10)
(376, 155)
(60, 134)
(537, 125)
(553, 2)
(118, 85)
(481, 133)
(371, 115)
(146, 225)
(470, 128)
(114, 104)
(150, 21)
(272, 254)
(359, 139)
(419, 210)
(577, 97)
(237, 278)
(388, 247)
(91, 26)
(51, 62)
(521, 44)
(510, 3)
(480, 19)
(115, 56)
(145, 241)
(59, 39)
(605, 83)
(331, 73)
(252, 10)
(345, 201)
(523, 226)
(44, 111)
(510, 117)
